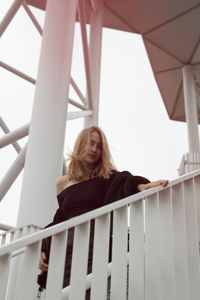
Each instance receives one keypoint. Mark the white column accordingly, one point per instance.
(44, 157)
(191, 109)
(95, 42)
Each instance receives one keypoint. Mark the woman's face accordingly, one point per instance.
(93, 150)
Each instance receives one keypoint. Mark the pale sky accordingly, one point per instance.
(142, 139)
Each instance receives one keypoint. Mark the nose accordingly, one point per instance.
(94, 148)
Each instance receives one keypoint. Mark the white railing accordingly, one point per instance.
(164, 265)
(189, 163)
(16, 233)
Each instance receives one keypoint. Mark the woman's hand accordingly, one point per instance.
(42, 265)
(146, 186)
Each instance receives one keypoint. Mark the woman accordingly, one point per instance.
(91, 182)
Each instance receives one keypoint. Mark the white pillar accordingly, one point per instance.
(43, 164)
(95, 42)
(191, 109)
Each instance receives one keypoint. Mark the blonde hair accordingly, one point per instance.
(103, 168)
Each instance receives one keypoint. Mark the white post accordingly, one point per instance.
(95, 42)
(191, 109)
(43, 164)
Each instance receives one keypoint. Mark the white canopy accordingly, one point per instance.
(171, 34)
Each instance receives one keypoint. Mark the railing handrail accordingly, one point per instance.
(35, 237)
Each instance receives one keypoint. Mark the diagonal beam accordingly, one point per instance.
(82, 16)
(76, 104)
(12, 173)
(17, 72)
(10, 15)
(33, 81)
(14, 135)
(21, 132)
(32, 17)
(78, 92)
(6, 130)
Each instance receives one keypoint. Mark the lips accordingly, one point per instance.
(92, 155)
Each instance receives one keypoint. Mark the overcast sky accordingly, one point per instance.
(142, 139)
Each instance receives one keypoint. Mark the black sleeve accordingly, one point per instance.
(58, 218)
(121, 185)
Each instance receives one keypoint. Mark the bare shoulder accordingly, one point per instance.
(61, 183)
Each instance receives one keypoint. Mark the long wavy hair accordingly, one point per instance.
(77, 170)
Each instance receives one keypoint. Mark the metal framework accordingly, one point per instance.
(50, 109)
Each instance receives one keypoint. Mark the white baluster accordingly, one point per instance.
(28, 271)
(100, 258)
(180, 250)
(192, 240)
(79, 262)
(119, 255)
(56, 266)
(136, 257)
(167, 276)
(152, 249)
(4, 272)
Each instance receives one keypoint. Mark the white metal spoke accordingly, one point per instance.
(167, 276)
(152, 251)
(78, 114)
(100, 258)
(14, 135)
(79, 262)
(32, 17)
(78, 92)
(136, 250)
(82, 16)
(10, 15)
(95, 43)
(17, 72)
(192, 240)
(76, 104)
(12, 173)
(56, 266)
(6, 130)
(119, 254)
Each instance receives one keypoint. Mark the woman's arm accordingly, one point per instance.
(145, 186)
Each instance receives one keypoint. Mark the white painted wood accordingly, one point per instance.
(56, 266)
(100, 258)
(167, 275)
(136, 256)
(79, 262)
(192, 240)
(119, 254)
(180, 249)
(27, 275)
(152, 249)
(4, 272)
